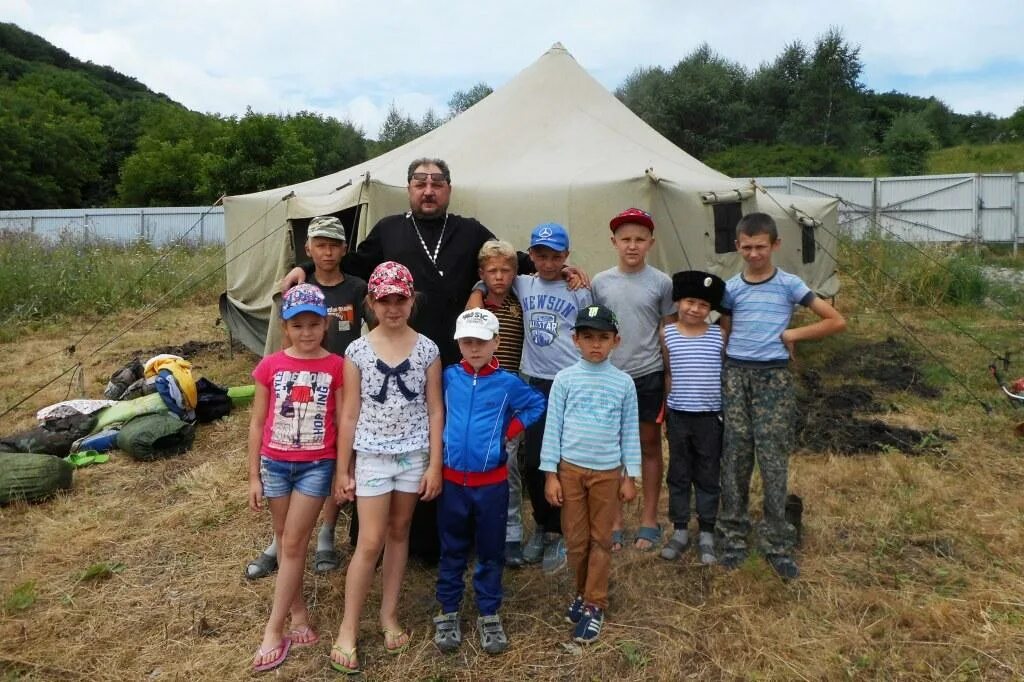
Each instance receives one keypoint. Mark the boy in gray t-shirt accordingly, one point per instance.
(641, 298)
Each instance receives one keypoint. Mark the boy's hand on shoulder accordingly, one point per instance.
(475, 300)
(553, 490)
(430, 484)
(575, 278)
(627, 489)
(255, 495)
(295, 276)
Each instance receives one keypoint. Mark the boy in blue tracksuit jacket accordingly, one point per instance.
(484, 405)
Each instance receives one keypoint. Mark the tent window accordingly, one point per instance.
(726, 218)
(349, 217)
(807, 243)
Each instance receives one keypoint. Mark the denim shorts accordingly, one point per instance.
(314, 479)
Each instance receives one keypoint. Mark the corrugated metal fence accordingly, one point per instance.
(159, 226)
(979, 208)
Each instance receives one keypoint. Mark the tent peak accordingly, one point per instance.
(558, 47)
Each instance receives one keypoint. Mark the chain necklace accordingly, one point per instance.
(437, 248)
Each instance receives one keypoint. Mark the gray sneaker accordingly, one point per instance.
(676, 545)
(447, 634)
(554, 556)
(492, 635)
(706, 549)
(534, 548)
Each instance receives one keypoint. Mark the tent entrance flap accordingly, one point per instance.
(250, 331)
(349, 217)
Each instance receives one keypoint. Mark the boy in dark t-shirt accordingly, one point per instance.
(344, 296)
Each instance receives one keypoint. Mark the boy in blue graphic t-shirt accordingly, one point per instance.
(549, 314)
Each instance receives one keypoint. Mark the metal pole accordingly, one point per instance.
(978, 206)
(1015, 209)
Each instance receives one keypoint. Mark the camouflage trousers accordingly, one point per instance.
(758, 405)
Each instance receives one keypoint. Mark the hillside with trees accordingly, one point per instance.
(76, 134)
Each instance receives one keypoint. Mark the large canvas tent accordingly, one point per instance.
(551, 145)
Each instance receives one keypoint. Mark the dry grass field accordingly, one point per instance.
(912, 557)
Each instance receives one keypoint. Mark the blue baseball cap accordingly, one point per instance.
(303, 298)
(551, 235)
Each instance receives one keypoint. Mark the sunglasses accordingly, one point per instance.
(423, 177)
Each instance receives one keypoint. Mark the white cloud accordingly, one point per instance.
(352, 59)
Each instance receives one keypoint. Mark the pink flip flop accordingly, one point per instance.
(299, 634)
(281, 654)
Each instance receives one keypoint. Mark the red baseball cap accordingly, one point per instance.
(633, 215)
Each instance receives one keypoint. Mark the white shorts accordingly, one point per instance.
(382, 473)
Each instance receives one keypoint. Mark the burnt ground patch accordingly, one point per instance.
(842, 418)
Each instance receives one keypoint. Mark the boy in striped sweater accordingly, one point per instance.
(592, 434)
(692, 349)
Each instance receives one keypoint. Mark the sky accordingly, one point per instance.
(352, 60)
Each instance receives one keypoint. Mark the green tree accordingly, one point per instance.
(397, 129)
(699, 105)
(643, 92)
(464, 99)
(828, 105)
(50, 149)
(336, 145)
(166, 168)
(429, 121)
(771, 93)
(751, 160)
(978, 128)
(256, 153)
(1015, 124)
(907, 144)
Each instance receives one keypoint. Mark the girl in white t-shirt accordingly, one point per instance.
(389, 453)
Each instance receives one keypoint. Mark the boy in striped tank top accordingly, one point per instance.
(692, 349)
(499, 263)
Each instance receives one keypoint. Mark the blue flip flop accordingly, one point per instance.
(651, 535)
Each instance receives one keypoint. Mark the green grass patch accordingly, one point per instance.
(102, 570)
(68, 278)
(21, 597)
(895, 273)
(1005, 157)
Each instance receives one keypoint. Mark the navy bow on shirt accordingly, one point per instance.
(397, 373)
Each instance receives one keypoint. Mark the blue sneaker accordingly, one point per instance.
(554, 556)
(574, 613)
(589, 626)
(534, 548)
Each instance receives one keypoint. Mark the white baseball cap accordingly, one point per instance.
(476, 323)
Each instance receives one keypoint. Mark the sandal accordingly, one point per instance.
(447, 634)
(493, 639)
(326, 560)
(303, 635)
(351, 665)
(394, 643)
(261, 567)
(651, 535)
(280, 653)
(618, 540)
